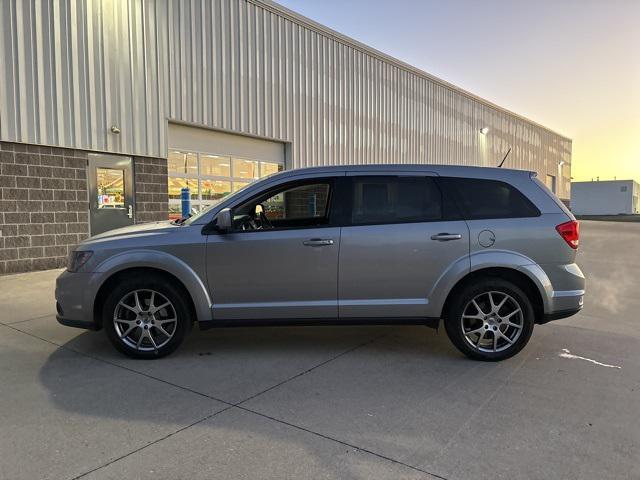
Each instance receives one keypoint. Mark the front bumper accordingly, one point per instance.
(74, 300)
(87, 325)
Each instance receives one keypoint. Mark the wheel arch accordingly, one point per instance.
(117, 276)
(516, 276)
(152, 262)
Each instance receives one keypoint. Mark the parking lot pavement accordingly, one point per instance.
(330, 402)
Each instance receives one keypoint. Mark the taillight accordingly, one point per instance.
(570, 231)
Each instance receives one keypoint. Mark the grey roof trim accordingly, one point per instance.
(313, 25)
(442, 170)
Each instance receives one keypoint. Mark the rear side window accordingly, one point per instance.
(381, 199)
(479, 198)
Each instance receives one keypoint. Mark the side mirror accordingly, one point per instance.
(224, 220)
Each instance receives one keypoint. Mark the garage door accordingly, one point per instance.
(213, 164)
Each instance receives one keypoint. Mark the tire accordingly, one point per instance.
(487, 332)
(145, 308)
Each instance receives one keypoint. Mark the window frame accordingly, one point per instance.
(331, 215)
(347, 220)
(452, 194)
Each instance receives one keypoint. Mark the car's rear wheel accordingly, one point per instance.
(145, 318)
(491, 319)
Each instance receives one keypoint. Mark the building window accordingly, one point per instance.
(210, 177)
(110, 183)
(623, 188)
(245, 169)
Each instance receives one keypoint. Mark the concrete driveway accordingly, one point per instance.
(329, 402)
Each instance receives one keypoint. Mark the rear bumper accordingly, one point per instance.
(563, 288)
(564, 304)
(566, 300)
(557, 315)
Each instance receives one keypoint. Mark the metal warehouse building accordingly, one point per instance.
(108, 108)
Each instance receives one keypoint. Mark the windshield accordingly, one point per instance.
(194, 218)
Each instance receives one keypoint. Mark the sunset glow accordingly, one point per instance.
(573, 66)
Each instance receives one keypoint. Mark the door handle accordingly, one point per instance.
(318, 242)
(445, 237)
(130, 211)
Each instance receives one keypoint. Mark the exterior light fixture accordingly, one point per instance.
(115, 129)
(561, 163)
(484, 130)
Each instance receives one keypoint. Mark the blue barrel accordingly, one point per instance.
(185, 197)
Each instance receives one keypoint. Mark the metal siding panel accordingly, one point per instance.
(23, 47)
(122, 64)
(75, 68)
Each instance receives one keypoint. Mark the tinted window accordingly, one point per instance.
(378, 199)
(479, 198)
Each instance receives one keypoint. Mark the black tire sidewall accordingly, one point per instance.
(173, 294)
(464, 296)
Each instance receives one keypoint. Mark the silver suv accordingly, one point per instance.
(491, 252)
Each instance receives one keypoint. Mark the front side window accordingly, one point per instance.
(293, 206)
(380, 199)
(479, 198)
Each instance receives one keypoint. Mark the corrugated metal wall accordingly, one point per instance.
(71, 69)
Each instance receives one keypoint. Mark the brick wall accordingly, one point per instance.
(43, 206)
(152, 192)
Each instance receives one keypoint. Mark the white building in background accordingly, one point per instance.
(607, 197)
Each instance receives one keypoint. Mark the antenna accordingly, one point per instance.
(505, 157)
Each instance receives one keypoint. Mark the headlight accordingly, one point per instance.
(77, 259)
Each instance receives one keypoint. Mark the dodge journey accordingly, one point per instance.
(489, 252)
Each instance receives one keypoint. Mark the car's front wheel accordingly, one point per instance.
(145, 318)
(491, 319)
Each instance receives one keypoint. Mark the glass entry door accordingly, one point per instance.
(110, 192)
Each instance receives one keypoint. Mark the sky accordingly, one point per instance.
(571, 65)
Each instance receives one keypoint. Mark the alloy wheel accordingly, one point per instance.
(145, 320)
(492, 321)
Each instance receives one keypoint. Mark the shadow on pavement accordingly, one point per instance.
(235, 364)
